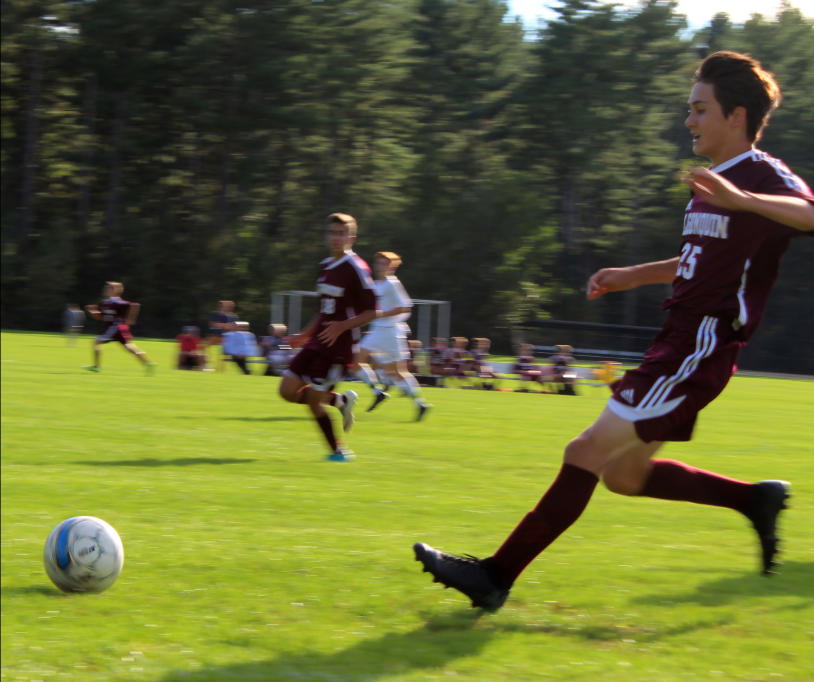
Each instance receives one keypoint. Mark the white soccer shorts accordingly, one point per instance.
(388, 343)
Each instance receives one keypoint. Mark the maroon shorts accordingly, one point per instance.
(686, 368)
(116, 332)
(321, 371)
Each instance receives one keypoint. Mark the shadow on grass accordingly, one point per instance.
(178, 462)
(266, 419)
(438, 643)
(796, 579)
(45, 590)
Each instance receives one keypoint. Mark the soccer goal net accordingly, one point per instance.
(295, 308)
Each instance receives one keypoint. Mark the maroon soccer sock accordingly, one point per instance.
(671, 480)
(561, 506)
(328, 430)
(337, 400)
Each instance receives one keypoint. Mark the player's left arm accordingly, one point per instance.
(405, 303)
(795, 212)
(133, 313)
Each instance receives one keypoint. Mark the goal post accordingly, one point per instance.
(428, 315)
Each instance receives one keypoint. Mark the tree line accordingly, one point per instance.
(192, 149)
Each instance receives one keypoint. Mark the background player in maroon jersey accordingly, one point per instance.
(118, 316)
(744, 211)
(347, 302)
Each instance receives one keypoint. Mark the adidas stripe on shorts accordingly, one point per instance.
(686, 368)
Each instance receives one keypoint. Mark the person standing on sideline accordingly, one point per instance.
(347, 302)
(221, 321)
(743, 213)
(118, 315)
(73, 319)
(387, 340)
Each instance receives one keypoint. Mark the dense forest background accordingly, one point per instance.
(191, 149)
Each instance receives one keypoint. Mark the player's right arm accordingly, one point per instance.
(133, 313)
(622, 279)
(296, 340)
(93, 311)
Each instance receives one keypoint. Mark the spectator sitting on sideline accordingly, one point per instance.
(240, 344)
(278, 354)
(561, 363)
(190, 349)
(73, 319)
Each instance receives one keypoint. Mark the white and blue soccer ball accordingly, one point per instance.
(83, 554)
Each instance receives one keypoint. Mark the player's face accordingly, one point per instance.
(711, 130)
(382, 267)
(338, 239)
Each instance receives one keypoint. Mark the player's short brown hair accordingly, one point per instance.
(343, 219)
(739, 80)
(115, 286)
(394, 258)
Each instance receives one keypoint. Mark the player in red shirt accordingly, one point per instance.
(118, 316)
(744, 211)
(347, 302)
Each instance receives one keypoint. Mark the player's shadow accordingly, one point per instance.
(795, 579)
(434, 646)
(153, 462)
(266, 419)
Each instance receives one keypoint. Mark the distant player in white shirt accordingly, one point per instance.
(387, 339)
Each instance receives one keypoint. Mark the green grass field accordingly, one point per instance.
(248, 557)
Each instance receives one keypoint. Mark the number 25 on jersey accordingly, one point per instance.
(686, 264)
(328, 306)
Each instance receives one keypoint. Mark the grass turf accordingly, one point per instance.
(249, 557)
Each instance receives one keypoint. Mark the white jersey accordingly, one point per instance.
(390, 294)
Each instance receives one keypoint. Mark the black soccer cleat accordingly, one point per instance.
(380, 398)
(768, 500)
(422, 410)
(465, 574)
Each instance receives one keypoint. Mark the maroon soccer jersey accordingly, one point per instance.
(346, 289)
(114, 312)
(729, 259)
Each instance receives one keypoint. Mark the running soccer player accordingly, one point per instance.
(387, 340)
(744, 211)
(118, 316)
(347, 302)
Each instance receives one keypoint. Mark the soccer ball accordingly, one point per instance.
(83, 554)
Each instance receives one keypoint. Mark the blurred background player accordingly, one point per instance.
(436, 354)
(347, 302)
(221, 321)
(459, 361)
(526, 367)
(118, 315)
(561, 373)
(483, 370)
(388, 335)
(277, 352)
(416, 361)
(191, 349)
(240, 344)
(73, 319)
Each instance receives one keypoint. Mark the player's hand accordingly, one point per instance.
(333, 330)
(609, 279)
(714, 189)
(295, 340)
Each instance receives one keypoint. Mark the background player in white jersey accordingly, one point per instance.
(387, 340)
